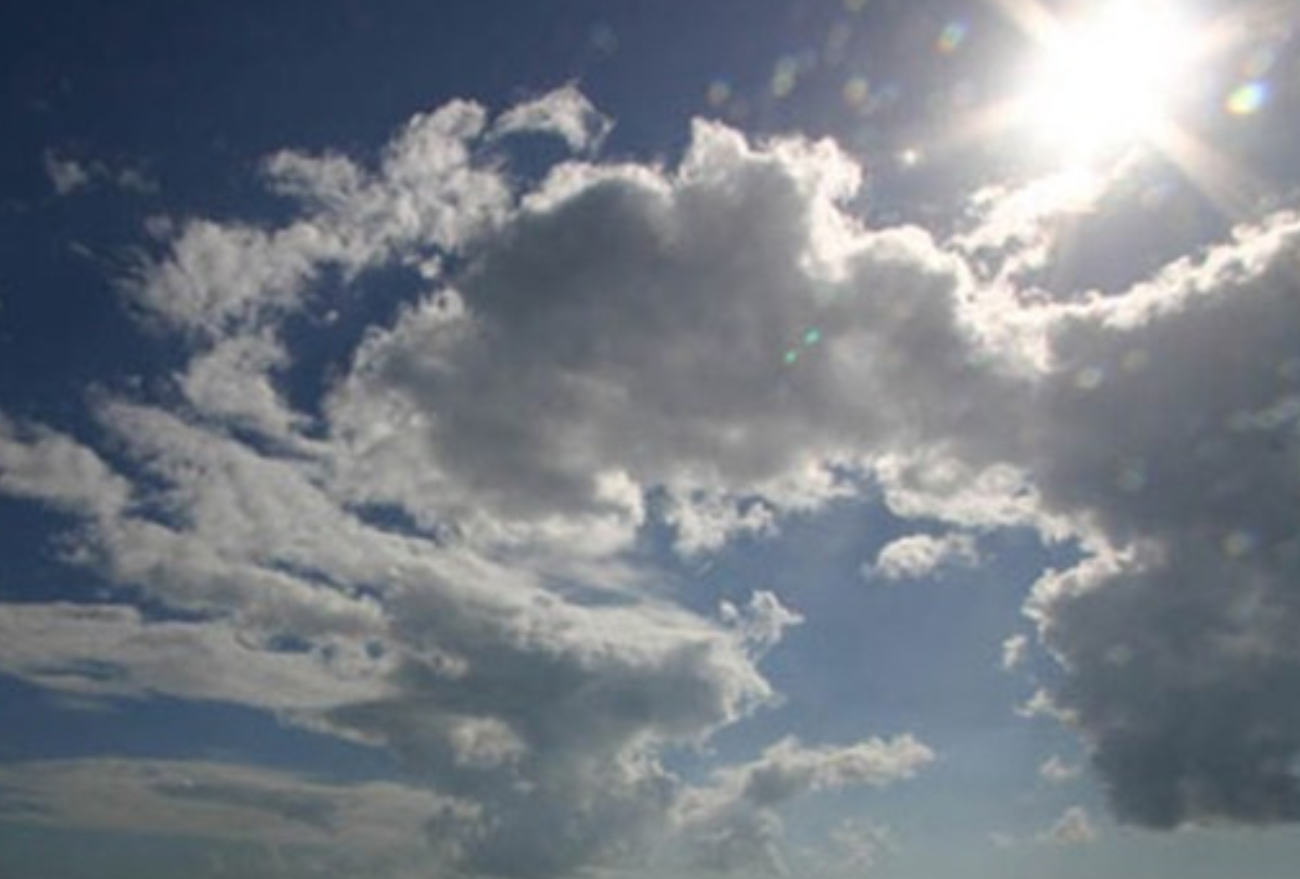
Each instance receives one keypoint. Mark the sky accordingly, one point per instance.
(649, 440)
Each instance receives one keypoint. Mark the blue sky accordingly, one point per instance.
(630, 439)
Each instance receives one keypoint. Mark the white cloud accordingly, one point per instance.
(1014, 231)
(789, 768)
(640, 327)
(929, 483)
(706, 521)
(69, 175)
(862, 844)
(1074, 827)
(52, 468)
(66, 175)
(763, 622)
(377, 828)
(921, 555)
(1057, 771)
(232, 381)
(428, 194)
(111, 651)
(517, 697)
(1015, 650)
(734, 824)
(565, 113)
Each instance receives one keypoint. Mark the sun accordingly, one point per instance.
(1109, 79)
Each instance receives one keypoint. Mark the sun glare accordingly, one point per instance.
(1108, 80)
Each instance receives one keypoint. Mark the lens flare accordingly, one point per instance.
(855, 91)
(953, 35)
(1247, 99)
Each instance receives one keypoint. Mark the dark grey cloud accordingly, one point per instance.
(1173, 422)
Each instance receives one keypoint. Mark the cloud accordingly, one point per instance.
(429, 192)
(1057, 771)
(111, 651)
(637, 328)
(789, 769)
(565, 113)
(43, 465)
(69, 175)
(570, 706)
(734, 823)
(518, 699)
(862, 844)
(1074, 827)
(710, 346)
(936, 482)
(1015, 651)
(1013, 233)
(706, 521)
(1172, 424)
(380, 827)
(763, 622)
(233, 381)
(920, 555)
(66, 175)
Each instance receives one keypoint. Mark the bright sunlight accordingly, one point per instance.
(1108, 80)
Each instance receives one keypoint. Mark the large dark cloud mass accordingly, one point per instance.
(1174, 426)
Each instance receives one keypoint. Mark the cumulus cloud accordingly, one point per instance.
(637, 328)
(568, 707)
(763, 622)
(920, 555)
(934, 483)
(709, 345)
(1172, 424)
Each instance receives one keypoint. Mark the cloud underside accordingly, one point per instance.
(428, 552)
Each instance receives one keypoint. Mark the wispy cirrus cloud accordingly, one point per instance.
(564, 113)
(734, 823)
(292, 823)
(69, 175)
(1074, 827)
